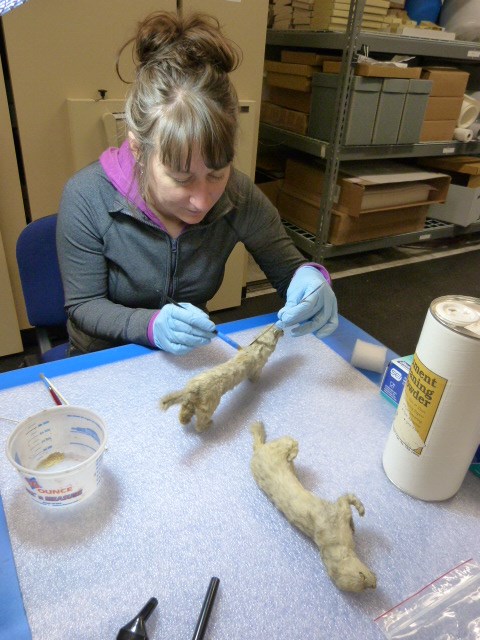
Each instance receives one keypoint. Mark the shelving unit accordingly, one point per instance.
(432, 230)
(334, 152)
(379, 43)
(319, 148)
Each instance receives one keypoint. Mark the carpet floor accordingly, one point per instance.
(391, 304)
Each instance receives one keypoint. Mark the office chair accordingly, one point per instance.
(42, 284)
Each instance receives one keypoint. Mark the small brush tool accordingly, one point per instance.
(218, 333)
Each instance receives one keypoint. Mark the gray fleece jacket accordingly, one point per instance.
(117, 266)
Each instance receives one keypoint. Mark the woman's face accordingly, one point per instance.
(187, 196)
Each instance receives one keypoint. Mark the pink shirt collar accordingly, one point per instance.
(119, 164)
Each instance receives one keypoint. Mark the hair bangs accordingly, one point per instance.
(183, 127)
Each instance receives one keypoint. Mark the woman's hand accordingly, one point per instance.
(311, 304)
(182, 327)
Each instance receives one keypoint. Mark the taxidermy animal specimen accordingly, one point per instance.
(202, 394)
(329, 524)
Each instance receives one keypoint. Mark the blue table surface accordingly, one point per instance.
(13, 620)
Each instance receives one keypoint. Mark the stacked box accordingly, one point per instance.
(284, 118)
(288, 89)
(389, 111)
(345, 229)
(444, 104)
(413, 114)
(280, 14)
(271, 189)
(364, 209)
(362, 112)
(387, 105)
(332, 15)
(375, 70)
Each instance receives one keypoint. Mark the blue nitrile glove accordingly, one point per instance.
(179, 329)
(314, 312)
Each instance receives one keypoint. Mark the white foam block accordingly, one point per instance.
(177, 507)
(367, 355)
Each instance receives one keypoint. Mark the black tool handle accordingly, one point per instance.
(147, 610)
(135, 629)
(202, 621)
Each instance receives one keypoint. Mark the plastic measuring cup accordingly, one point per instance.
(58, 452)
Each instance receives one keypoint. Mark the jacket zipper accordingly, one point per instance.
(173, 264)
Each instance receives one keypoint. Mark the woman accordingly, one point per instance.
(157, 218)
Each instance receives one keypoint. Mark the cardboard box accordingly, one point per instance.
(270, 162)
(385, 4)
(284, 118)
(394, 379)
(289, 81)
(302, 209)
(271, 189)
(464, 170)
(461, 207)
(422, 32)
(299, 199)
(290, 99)
(375, 70)
(375, 14)
(300, 194)
(340, 24)
(362, 185)
(437, 130)
(443, 108)
(304, 177)
(306, 70)
(305, 57)
(446, 82)
(345, 229)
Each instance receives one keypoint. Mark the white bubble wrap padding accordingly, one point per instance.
(177, 507)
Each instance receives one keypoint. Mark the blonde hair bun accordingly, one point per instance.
(192, 41)
(182, 98)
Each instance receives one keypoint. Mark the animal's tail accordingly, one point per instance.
(258, 431)
(172, 398)
(354, 501)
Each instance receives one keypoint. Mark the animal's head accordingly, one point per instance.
(277, 332)
(347, 571)
(335, 539)
(269, 338)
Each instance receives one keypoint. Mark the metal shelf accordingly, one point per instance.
(432, 230)
(380, 43)
(333, 152)
(318, 148)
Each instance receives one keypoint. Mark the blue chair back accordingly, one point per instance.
(40, 277)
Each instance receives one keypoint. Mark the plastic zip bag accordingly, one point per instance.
(446, 609)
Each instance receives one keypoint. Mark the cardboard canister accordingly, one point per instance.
(436, 429)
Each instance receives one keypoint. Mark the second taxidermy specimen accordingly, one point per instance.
(329, 524)
(202, 394)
